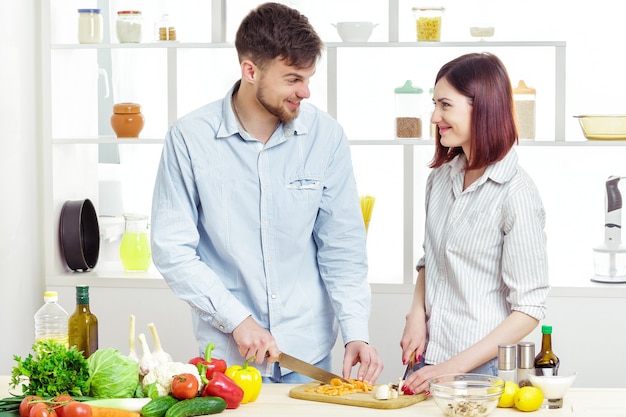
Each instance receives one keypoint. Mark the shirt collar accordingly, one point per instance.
(499, 172)
(230, 125)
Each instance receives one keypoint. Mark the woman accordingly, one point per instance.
(483, 279)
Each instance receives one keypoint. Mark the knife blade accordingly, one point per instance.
(306, 368)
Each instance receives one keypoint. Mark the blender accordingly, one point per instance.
(609, 258)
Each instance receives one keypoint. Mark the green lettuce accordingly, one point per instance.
(112, 375)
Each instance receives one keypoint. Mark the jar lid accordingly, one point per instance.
(522, 88)
(408, 88)
(129, 12)
(89, 11)
(126, 108)
(443, 9)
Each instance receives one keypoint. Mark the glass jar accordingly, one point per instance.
(128, 26)
(524, 98)
(408, 111)
(135, 252)
(127, 120)
(89, 26)
(165, 30)
(428, 23)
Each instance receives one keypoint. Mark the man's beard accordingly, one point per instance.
(283, 114)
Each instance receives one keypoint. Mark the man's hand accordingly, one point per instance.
(371, 364)
(254, 340)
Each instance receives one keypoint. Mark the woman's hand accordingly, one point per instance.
(413, 342)
(418, 380)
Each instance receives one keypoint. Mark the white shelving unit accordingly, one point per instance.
(70, 161)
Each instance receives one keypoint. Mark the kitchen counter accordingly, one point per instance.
(274, 401)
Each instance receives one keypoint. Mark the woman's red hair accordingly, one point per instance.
(484, 80)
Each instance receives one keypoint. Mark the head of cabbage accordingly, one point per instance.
(112, 375)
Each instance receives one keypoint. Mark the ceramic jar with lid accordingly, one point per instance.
(127, 120)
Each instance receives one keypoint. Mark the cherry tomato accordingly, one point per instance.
(77, 409)
(27, 404)
(59, 402)
(41, 410)
(184, 386)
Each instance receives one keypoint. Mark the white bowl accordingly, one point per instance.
(355, 31)
(482, 31)
(553, 387)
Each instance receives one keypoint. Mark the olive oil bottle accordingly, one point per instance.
(546, 361)
(83, 324)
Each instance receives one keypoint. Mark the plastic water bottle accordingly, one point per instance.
(51, 320)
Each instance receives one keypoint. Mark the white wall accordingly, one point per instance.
(583, 325)
(21, 271)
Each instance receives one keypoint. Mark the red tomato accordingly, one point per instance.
(184, 386)
(77, 409)
(59, 402)
(41, 410)
(26, 404)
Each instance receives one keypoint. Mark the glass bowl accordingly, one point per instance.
(553, 387)
(603, 126)
(462, 395)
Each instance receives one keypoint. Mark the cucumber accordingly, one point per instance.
(158, 406)
(197, 406)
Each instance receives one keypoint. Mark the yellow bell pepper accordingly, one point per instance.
(248, 378)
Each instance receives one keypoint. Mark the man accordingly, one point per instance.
(256, 220)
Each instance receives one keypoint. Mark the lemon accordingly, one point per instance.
(528, 398)
(508, 395)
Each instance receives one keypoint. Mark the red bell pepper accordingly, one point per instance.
(224, 387)
(208, 365)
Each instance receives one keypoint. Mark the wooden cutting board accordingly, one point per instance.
(361, 399)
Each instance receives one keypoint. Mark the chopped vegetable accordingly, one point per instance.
(248, 378)
(112, 375)
(338, 387)
(211, 364)
(383, 392)
(53, 370)
(158, 354)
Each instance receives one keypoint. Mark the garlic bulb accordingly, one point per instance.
(147, 361)
(158, 353)
(131, 340)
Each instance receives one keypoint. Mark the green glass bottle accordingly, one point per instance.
(546, 361)
(83, 324)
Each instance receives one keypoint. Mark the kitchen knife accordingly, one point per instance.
(304, 368)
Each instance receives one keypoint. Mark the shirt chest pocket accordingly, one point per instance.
(305, 190)
(478, 233)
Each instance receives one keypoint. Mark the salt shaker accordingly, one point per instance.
(525, 362)
(507, 362)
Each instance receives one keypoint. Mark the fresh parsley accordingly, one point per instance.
(53, 370)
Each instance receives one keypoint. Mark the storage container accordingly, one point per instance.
(128, 26)
(408, 111)
(428, 22)
(89, 26)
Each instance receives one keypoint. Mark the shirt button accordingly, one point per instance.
(273, 296)
(221, 327)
